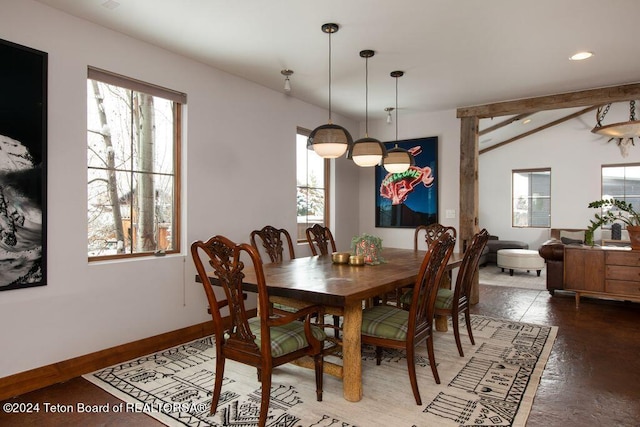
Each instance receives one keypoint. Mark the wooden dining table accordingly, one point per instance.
(342, 289)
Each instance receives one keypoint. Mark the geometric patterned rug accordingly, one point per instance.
(493, 385)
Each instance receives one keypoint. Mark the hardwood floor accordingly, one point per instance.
(592, 377)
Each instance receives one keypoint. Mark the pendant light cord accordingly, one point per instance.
(366, 97)
(396, 111)
(330, 76)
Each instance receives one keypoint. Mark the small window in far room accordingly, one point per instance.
(622, 182)
(531, 198)
(133, 159)
(312, 189)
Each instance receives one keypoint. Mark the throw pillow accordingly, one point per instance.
(568, 241)
(575, 235)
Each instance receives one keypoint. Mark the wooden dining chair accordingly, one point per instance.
(453, 302)
(431, 233)
(273, 241)
(264, 341)
(385, 326)
(320, 240)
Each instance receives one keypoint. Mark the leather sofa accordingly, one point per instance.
(494, 244)
(553, 253)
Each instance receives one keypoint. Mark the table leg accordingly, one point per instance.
(351, 352)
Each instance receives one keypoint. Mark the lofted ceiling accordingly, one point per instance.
(454, 53)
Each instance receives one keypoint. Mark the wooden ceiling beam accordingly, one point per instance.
(583, 98)
(538, 129)
(503, 124)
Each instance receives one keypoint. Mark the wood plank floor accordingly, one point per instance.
(592, 377)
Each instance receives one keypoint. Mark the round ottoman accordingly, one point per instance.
(521, 259)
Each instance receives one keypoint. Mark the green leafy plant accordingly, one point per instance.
(369, 246)
(623, 212)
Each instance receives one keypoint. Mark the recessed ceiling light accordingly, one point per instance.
(580, 56)
(110, 4)
(526, 121)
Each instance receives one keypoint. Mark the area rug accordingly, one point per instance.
(493, 385)
(493, 275)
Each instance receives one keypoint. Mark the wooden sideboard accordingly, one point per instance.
(606, 272)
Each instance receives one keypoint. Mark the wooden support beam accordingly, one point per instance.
(503, 123)
(539, 128)
(469, 195)
(583, 98)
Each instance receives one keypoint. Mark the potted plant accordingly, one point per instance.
(624, 213)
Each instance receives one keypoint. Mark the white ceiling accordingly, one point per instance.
(454, 53)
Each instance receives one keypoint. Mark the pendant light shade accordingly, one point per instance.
(367, 152)
(329, 141)
(629, 129)
(398, 159)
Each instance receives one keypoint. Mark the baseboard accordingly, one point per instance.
(34, 379)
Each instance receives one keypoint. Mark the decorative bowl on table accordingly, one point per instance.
(340, 257)
(356, 260)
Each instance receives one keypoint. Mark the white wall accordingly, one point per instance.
(239, 174)
(575, 156)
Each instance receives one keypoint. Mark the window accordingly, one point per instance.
(133, 157)
(311, 187)
(531, 198)
(622, 182)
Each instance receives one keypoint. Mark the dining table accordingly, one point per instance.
(342, 289)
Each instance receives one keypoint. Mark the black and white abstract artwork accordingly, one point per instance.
(23, 143)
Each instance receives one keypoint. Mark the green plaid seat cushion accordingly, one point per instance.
(444, 299)
(385, 321)
(406, 298)
(284, 307)
(286, 338)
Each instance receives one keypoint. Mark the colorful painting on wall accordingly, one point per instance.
(23, 144)
(410, 198)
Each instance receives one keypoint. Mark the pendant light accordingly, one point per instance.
(619, 131)
(329, 141)
(398, 159)
(367, 152)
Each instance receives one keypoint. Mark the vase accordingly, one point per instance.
(634, 236)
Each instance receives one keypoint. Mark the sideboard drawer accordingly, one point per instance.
(622, 287)
(623, 258)
(622, 272)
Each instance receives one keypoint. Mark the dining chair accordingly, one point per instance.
(319, 239)
(386, 326)
(273, 241)
(431, 233)
(453, 302)
(263, 341)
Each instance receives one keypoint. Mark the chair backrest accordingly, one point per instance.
(319, 239)
(224, 256)
(273, 240)
(422, 308)
(431, 233)
(469, 266)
